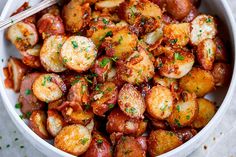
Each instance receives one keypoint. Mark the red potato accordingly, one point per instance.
(49, 25)
(131, 101)
(38, 123)
(23, 35)
(129, 147)
(108, 4)
(196, 3)
(15, 72)
(74, 139)
(54, 10)
(119, 122)
(28, 100)
(206, 52)
(179, 9)
(221, 73)
(91, 126)
(102, 67)
(54, 122)
(221, 52)
(192, 15)
(99, 147)
(142, 140)
(55, 104)
(185, 134)
(30, 57)
(104, 98)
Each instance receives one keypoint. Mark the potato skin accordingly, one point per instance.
(221, 52)
(104, 98)
(159, 101)
(54, 122)
(206, 111)
(221, 73)
(38, 122)
(74, 139)
(129, 146)
(29, 102)
(99, 147)
(131, 102)
(199, 81)
(179, 9)
(161, 141)
(185, 134)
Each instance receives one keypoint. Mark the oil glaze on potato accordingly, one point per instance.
(221, 73)
(23, 35)
(48, 87)
(162, 141)
(78, 53)
(131, 101)
(74, 139)
(54, 122)
(159, 101)
(198, 81)
(50, 53)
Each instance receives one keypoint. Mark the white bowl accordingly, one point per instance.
(221, 96)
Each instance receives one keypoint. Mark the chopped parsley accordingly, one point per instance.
(89, 81)
(87, 106)
(163, 108)
(131, 110)
(28, 114)
(178, 108)
(18, 105)
(173, 41)
(100, 141)
(106, 35)
(177, 123)
(97, 88)
(114, 58)
(59, 46)
(105, 21)
(110, 106)
(46, 79)
(120, 39)
(8, 145)
(75, 44)
(178, 56)
(84, 141)
(209, 52)
(208, 20)
(109, 89)
(188, 117)
(104, 62)
(74, 82)
(18, 38)
(21, 116)
(27, 92)
(21, 147)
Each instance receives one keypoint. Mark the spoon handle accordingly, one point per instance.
(27, 13)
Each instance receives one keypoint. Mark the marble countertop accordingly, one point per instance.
(221, 143)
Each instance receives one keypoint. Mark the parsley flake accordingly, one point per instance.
(84, 141)
(178, 56)
(18, 105)
(104, 62)
(75, 44)
(27, 92)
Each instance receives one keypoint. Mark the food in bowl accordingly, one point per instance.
(122, 78)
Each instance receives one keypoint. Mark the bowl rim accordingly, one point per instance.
(23, 127)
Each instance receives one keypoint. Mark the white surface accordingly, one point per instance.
(221, 138)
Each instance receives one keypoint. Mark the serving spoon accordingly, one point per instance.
(27, 13)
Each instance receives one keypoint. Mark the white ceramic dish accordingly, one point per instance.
(222, 96)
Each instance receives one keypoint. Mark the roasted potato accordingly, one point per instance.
(198, 81)
(185, 134)
(78, 53)
(131, 101)
(76, 16)
(128, 146)
(221, 73)
(122, 44)
(206, 52)
(138, 68)
(202, 27)
(177, 64)
(159, 101)
(90, 126)
(221, 52)
(74, 139)
(166, 82)
(120, 122)
(14, 73)
(27, 99)
(184, 111)
(99, 147)
(48, 87)
(38, 123)
(162, 141)
(192, 15)
(54, 122)
(104, 98)
(141, 128)
(50, 53)
(23, 35)
(108, 4)
(207, 110)
(54, 10)
(177, 34)
(154, 38)
(179, 9)
(49, 25)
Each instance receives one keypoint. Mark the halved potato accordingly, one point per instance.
(207, 110)
(221, 73)
(54, 122)
(177, 34)
(74, 139)
(159, 101)
(108, 4)
(221, 51)
(131, 101)
(90, 126)
(38, 122)
(23, 35)
(162, 141)
(50, 53)
(138, 68)
(184, 111)
(206, 52)
(78, 53)
(202, 27)
(198, 81)
(176, 65)
(186, 134)
(48, 87)
(165, 81)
